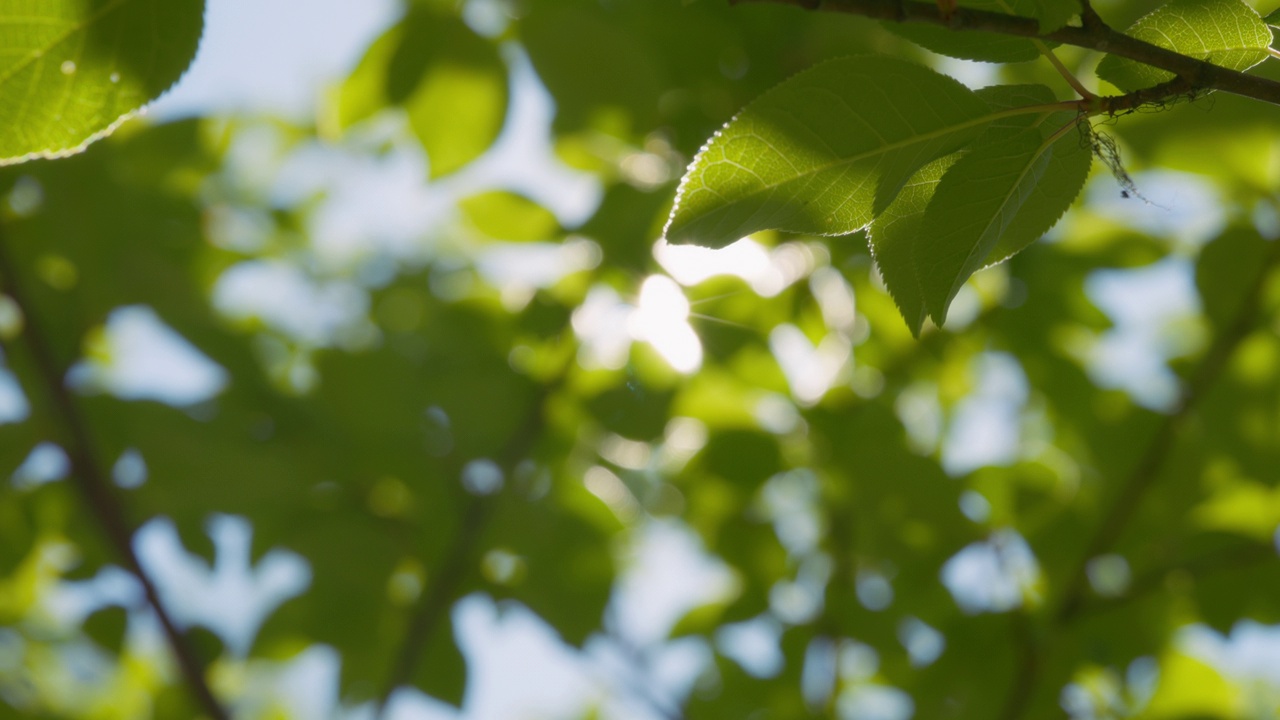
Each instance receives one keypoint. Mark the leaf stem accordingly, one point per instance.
(97, 493)
(1092, 35)
(1066, 74)
(1274, 52)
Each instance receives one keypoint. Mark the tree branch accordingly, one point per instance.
(459, 559)
(1234, 558)
(1161, 444)
(97, 493)
(435, 603)
(1027, 660)
(1093, 35)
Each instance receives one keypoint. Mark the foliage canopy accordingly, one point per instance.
(349, 397)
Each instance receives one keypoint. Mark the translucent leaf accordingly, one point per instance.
(71, 71)
(824, 151)
(991, 47)
(505, 215)
(1228, 33)
(1191, 688)
(1243, 506)
(960, 215)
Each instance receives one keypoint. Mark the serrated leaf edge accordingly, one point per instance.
(57, 154)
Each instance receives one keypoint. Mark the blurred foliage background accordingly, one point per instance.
(418, 418)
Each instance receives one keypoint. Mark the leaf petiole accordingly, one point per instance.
(1066, 74)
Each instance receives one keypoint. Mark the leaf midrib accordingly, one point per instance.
(1031, 161)
(908, 142)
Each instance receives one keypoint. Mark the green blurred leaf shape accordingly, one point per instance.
(960, 214)
(451, 82)
(1227, 33)
(991, 47)
(1273, 19)
(1245, 507)
(1226, 269)
(824, 151)
(504, 215)
(1189, 687)
(72, 70)
(599, 63)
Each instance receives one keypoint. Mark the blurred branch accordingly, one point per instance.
(459, 560)
(1027, 652)
(86, 474)
(635, 683)
(1242, 556)
(1161, 444)
(437, 601)
(1093, 34)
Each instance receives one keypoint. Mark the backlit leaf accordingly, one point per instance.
(70, 71)
(824, 151)
(1224, 32)
(999, 197)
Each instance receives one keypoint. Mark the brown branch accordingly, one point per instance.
(1093, 35)
(1089, 18)
(97, 493)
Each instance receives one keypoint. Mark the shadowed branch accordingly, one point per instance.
(89, 479)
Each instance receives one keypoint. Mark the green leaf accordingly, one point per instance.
(992, 47)
(893, 239)
(1273, 19)
(1052, 14)
(504, 215)
(450, 81)
(1228, 33)
(71, 71)
(962, 214)
(824, 151)
(1227, 268)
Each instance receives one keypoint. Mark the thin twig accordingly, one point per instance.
(94, 489)
(1093, 35)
